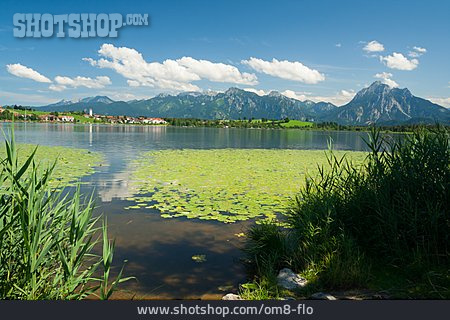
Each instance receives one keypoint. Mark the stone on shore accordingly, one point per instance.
(322, 296)
(231, 296)
(288, 279)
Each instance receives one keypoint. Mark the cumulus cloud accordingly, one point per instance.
(60, 83)
(373, 46)
(386, 79)
(24, 72)
(63, 83)
(338, 45)
(259, 92)
(399, 61)
(217, 72)
(170, 74)
(295, 70)
(339, 98)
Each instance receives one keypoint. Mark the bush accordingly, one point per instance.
(393, 210)
(47, 237)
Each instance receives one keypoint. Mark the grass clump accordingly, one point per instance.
(353, 227)
(47, 236)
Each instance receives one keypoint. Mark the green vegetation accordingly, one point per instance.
(293, 124)
(241, 123)
(227, 185)
(296, 124)
(263, 123)
(383, 226)
(72, 163)
(47, 238)
(33, 115)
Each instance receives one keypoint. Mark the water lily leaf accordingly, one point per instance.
(199, 258)
(226, 185)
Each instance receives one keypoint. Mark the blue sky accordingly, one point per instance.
(317, 50)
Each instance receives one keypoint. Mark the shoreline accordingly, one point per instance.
(314, 129)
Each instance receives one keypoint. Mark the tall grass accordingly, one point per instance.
(47, 237)
(394, 210)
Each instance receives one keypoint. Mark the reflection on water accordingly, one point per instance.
(159, 251)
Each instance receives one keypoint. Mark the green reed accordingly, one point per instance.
(47, 236)
(350, 223)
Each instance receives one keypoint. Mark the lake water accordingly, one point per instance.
(159, 251)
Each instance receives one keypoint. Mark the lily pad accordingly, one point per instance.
(226, 185)
(199, 258)
(71, 164)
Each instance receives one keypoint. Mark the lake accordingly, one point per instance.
(159, 251)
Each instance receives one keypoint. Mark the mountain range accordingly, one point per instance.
(377, 103)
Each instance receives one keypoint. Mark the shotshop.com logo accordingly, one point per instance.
(74, 25)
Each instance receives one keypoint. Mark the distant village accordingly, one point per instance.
(21, 113)
(123, 119)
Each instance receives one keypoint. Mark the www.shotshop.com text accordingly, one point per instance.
(286, 309)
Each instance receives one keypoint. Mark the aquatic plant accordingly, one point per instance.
(199, 258)
(226, 185)
(47, 237)
(72, 164)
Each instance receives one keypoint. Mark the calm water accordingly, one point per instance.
(159, 250)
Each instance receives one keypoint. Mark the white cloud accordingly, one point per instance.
(399, 61)
(24, 72)
(340, 98)
(445, 102)
(63, 83)
(133, 83)
(123, 96)
(60, 83)
(373, 46)
(58, 88)
(419, 49)
(338, 45)
(259, 92)
(170, 74)
(295, 71)
(414, 54)
(217, 72)
(294, 95)
(386, 79)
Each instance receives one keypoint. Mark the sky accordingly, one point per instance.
(315, 50)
